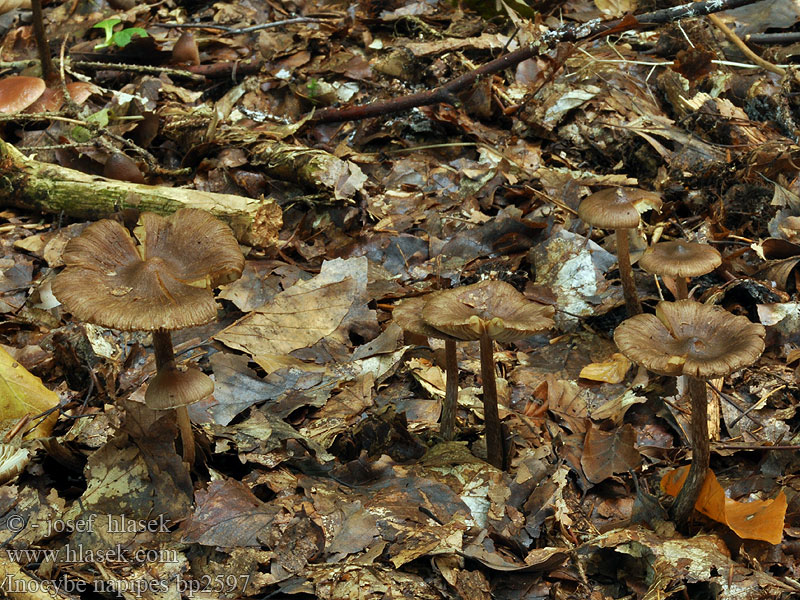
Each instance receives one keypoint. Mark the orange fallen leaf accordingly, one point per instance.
(756, 520)
(612, 370)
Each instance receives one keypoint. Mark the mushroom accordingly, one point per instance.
(487, 311)
(409, 315)
(680, 260)
(619, 209)
(19, 92)
(185, 50)
(52, 99)
(161, 285)
(122, 168)
(701, 342)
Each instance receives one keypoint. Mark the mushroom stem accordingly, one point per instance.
(450, 404)
(626, 274)
(682, 288)
(687, 497)
(162, 347)
(165, 358)
(491, 417)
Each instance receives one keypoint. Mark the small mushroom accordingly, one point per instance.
(161, 285)
(487, 311)
(680, 260)
(185, 50)
(701, 342)
(52, 99)
(409, 315)
(18, 92)
(121, 167)
(619, 209)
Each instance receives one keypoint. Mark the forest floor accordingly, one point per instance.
(320, 471)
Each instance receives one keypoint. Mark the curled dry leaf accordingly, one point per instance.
(756, 520)
(609, 452)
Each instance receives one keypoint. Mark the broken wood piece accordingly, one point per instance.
(33, 185)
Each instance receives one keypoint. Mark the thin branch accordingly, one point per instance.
(569, 32)
(42, 45)
(98, 66)
(763, 39)
(238, 30)
(734, 39)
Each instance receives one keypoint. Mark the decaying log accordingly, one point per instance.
(32, 185)
(310, 168)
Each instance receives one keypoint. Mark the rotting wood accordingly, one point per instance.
(310, 168)
(32, 185)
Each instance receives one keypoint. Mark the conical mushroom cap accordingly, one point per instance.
(680, 258)
(173, 387)
(690, 338)
(497, 306)
(617, 208)
(409, 315)
(162, 284)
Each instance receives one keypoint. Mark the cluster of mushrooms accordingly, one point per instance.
(162, 284)
(683, 338)
(487, 311)
(165, 283)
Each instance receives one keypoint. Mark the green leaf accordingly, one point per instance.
(124, 37)
(100, 117)
(80, 134)
(108, 28)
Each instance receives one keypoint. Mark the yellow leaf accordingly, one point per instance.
(612, 370)
(24, 394)
(615, 8)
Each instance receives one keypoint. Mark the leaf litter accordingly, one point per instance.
(321, 473)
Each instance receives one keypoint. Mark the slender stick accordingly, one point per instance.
(626, 274)
(701, 454)
(165, 359)
(764, 64)
(491, 416)
(450, 404)
(42, 45)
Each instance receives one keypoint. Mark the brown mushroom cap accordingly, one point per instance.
(174, 387)
(53, 98)
(689, 338)
(497, 306)
(617, 208)
(409, 315)
(19, 92)
(162, 284)
(185, 50)
(680, 258)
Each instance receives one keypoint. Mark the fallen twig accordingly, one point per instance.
(766, 65)
(569, 32)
